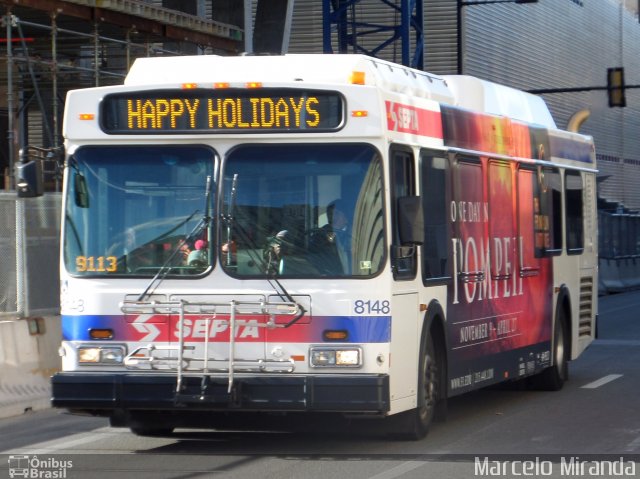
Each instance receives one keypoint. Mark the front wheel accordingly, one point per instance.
(414, 424)
(149, 426)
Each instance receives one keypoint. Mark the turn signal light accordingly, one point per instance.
(335, 335)
(101, 333)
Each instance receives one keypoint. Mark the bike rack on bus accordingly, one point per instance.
(144, 357)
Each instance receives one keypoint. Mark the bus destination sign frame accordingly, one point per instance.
(200, 111)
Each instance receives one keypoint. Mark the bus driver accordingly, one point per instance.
(332, 243)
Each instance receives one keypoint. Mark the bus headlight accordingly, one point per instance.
(335, 357)
(100, 354)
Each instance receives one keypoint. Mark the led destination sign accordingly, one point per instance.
(206, 111)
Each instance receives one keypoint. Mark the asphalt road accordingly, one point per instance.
(591, 428)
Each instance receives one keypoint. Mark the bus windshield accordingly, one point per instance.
(138, 210)
(302, 210)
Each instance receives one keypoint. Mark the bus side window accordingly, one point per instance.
(528, 216)
(549, 213)
(501, 221)
(469, 215)
(402, 184)
(434, 202)
(574, 212)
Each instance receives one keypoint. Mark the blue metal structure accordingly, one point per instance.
(340, 16)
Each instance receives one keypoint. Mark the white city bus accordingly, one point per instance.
(316, 234)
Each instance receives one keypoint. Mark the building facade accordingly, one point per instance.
(556, 44)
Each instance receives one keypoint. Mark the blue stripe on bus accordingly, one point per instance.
(361, 329)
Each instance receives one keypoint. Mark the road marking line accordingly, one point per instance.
(602, 381)
(399, 470)
(616, 342)
(634, 446)
(59, 444)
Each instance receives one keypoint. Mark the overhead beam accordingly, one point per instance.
(178, 27)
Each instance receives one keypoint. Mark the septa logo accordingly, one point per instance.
(150, 330)
(147, 328)
(411, 119)
(197, 329)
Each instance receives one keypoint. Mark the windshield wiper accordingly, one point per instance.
(175, 228)
(229, 218)
(231, 225)
(197, 229)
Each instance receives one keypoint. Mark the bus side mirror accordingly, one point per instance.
(410, 220)
(81, 190)
(29, 183)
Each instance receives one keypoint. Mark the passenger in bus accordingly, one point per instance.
(276, 248)
(332, 243)
(198, 257)
(137, 257)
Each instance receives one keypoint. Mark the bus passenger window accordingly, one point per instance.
(502, 249)
(433, 191)
(548, 210)
(574, 212)
(528, 214)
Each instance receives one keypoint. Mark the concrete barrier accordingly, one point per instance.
(28, 358)
(617, 275)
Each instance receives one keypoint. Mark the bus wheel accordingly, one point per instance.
(414, 424)
(149, 426)
(553, 378)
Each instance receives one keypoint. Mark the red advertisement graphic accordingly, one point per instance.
(501, 296)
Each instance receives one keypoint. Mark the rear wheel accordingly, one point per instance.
(554, 377)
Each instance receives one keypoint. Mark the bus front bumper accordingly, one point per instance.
(104, 392)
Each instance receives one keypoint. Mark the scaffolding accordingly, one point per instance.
(375, 26)
(54, 46)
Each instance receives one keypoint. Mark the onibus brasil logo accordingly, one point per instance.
(37, 468)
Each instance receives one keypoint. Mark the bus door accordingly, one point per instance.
(405, 302)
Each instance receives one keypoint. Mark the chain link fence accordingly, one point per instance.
(29, 251)
(619, 235)
(619, 251)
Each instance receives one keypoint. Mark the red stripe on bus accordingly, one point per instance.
(414, 120)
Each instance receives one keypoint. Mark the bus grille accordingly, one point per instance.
(152, 357)
(585, 323)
